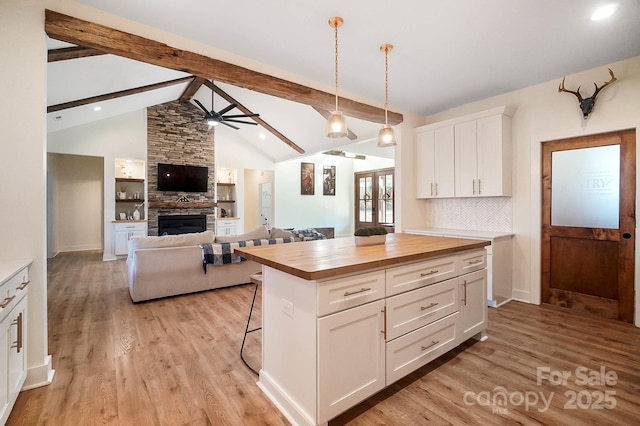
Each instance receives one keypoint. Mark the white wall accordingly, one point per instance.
(123, 136)
(544, 114)
(77, 211)
(22, 164)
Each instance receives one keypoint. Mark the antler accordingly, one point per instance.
(598, 89)
(577, 92)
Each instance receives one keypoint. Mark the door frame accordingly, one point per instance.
(534, 295)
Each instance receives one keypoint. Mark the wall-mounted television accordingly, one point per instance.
(178, 178)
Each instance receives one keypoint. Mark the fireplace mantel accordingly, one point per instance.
(181, 204)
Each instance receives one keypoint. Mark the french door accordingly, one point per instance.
(374, 202)
(588, 223)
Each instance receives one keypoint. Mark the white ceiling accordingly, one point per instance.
(447, 53)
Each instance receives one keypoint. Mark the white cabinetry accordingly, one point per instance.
(365, 330)
(14, 278)
(124, 231)
(473, 310)
(435, 162)
(499, 259)
(466, 156)
(226, 226)
(483, 157)
(351, 360)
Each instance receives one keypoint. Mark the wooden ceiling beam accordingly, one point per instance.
(114, 95)
(77, 31)
(74, 52)
(191, 89)
(258, 120)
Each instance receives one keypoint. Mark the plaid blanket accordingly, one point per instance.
(308, 234)
(222, 253)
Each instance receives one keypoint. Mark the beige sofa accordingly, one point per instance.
(173, 264)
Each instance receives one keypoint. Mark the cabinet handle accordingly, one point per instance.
(479, 190)
(384, 323)
(18, 343)
(6, 301)
(473, 262)
(464, 285)
(23, 285)
(432, 189)
(362, 290)
(474, 187)
(426, 274)
(433, 343)
(436, 189)
(424, 308)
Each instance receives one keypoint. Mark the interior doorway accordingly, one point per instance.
(588, 224)
(374, 199)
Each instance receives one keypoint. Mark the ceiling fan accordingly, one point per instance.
(213, 118)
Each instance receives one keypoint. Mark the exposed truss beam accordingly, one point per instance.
(114, 95)
(258, 120)
(84, 33)
(191, 89)
(75, 52)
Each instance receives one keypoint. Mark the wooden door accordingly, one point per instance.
(374, 199)
(588, 223)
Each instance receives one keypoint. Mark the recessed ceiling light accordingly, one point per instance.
(262, 136)
(603, 12)
(97, 108)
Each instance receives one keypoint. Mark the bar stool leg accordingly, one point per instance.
(247, 331)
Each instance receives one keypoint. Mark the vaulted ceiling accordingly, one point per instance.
(446, 54)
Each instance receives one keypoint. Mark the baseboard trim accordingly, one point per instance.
(41, 375)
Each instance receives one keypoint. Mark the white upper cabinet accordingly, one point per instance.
(467, 156)
(435, 162)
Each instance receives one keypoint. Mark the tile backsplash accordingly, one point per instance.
(492, 214)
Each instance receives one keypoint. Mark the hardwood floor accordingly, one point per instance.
(175, 361)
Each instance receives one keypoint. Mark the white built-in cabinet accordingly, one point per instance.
(227, 226)
(14, 279)
(435, 169)
(481, 160)
(124, 231)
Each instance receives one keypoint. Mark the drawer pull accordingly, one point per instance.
(6, 301)
(23, 285)
(426, 274)
(424, 308)
(473, 262)
(351, 293)
(433, 343)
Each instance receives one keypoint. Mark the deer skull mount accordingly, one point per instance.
(586, 105)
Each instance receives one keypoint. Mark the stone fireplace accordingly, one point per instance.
(176, 134)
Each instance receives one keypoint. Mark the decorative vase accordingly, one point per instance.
(370, 240)
(136, 214)
(122, 195)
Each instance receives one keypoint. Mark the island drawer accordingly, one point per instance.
(411, 351)
(12, 290)
(419, 274)
(414, 309)
(343, 293)
(473, 260)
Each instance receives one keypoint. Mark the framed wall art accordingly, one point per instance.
(329, 180)
(307, 178)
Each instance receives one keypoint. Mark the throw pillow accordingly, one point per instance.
(260, 233)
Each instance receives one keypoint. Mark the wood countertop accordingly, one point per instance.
(314, 260)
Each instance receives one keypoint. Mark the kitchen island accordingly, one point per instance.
(342, 322)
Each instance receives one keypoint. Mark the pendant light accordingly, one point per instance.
(386, 137)
(336, 124)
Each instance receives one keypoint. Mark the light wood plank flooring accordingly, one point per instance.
(175, 361)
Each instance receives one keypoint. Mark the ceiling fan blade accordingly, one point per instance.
(202, 106)
(227, 109)
(230, 125)
(224, 120)
(242, 116)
